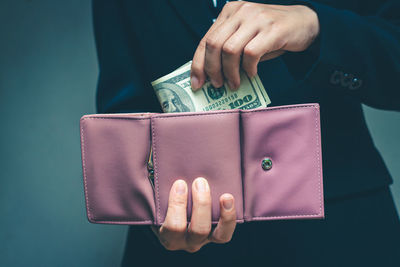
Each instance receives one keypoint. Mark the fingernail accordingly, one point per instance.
(227, 203)
(215, 84)
(231, 86)
(194, 82)
(201, 185)
(180, 187)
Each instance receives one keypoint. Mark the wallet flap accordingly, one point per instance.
(191, 145)
(115, 149)
(287, 141)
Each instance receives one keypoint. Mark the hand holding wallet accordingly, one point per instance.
(269, 159)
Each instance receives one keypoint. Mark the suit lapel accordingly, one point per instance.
(194, 14)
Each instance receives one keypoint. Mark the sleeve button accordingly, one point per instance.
(336, 77)
(355, 83)
(347, 80)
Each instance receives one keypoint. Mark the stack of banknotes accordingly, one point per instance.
(175, 93)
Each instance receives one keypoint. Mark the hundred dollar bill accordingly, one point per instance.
(175, 93)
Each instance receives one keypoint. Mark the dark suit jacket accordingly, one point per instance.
(355, 60)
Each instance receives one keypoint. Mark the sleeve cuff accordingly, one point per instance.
(321, 64)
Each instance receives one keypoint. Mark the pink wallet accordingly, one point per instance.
(269, 159)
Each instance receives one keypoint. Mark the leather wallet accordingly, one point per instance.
(269, 159)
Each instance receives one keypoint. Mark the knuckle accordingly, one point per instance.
(195, 66)
(279, 43)
(222, 239)
(176, 227)
(177, 202)
(212, 43)
(170, 247)
(230, 49)
(203, 43)
(230, 5)
(247, 6)
(203, 201)
(203, 230)
(195, 69)
(229, 218)
(250, 52)
(167, 245)
(266, 17)
(192, 249)
(211, 71)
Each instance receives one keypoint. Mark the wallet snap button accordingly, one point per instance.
(266, 164)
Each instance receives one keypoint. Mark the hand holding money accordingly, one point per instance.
(247, 33)
(175, 93)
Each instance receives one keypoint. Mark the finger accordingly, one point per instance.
(272, 55)
(232, 51)
(230, 8)
(198, 75)
(155, 229)
(173, 230)
(263, 43)
(227, 221)
(214, 43)
(200, 224)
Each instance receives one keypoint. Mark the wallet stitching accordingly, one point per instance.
(84, 172)
(229, 112)
(195, 115)
(318, 142)
(114, 118)
(155, 165)
(207, 114)
(243, 112)
(283, 216)
(127, 221)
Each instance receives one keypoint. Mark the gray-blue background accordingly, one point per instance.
(48, 73)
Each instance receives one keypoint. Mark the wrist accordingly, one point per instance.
(310, 24)
(300, 63)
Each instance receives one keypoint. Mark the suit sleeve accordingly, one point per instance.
(355, 53)
(122, 85)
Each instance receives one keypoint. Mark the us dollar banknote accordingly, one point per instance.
(175, 93)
